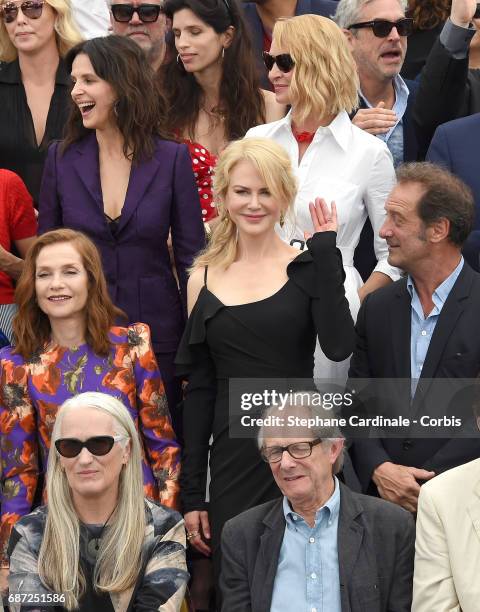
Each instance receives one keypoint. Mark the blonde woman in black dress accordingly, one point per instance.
(256, 307)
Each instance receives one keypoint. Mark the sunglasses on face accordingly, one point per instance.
(147, 13)
(98, 445)
(284, 61)
(31, 9)
(382, 28)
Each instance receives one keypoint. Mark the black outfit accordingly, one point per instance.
(448, 90)
(270, 338)
(19, 151)
(420, 43)
(383, 351)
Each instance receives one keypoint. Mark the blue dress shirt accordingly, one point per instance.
(394, 137)
(422, 327)
(307, 578)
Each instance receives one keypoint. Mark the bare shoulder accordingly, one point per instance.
(194, 286)
(273, 110)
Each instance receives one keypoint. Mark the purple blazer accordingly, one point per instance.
(161, 195)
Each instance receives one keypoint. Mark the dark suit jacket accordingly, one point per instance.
(326, 8)
(448, 90)
(364, 258)
(455, 147)
(383, 351)
(161, 195)
(375, 555)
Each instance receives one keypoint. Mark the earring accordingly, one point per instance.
(223, 53)
(179, 61)
(115, 109)
(226, 216)
(282, 219)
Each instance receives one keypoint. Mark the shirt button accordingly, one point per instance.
(424, 333)
(313, 575)
(311, 540)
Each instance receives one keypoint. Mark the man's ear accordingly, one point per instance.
(438, 230)
(349, 36)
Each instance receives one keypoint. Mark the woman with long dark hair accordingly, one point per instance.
(211, 84)
(117, 179)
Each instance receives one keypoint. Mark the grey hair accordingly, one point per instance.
(310, 408)
(348, 11)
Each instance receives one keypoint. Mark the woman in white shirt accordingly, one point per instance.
(311, 68)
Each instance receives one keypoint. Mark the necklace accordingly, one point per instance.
(94, 544)
(303, 136)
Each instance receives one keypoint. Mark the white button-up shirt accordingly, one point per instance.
(345, 164)
(92, 17)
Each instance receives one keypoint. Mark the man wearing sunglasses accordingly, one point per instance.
(321, 547)
(377, 33)
(144, 22)
(92, 17)
(262, 15)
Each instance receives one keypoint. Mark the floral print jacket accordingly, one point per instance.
(32, 391)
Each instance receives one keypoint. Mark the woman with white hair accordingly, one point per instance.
(312, 69)
(35, 35)
(98, 544)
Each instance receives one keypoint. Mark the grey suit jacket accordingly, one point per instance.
(376, 542)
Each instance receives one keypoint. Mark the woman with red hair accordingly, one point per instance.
(66, 343)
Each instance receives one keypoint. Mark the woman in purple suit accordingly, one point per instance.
(115, 179)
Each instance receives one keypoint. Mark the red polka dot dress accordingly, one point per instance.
(203, 163)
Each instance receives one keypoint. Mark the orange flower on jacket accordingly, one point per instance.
(140, 346)
(14, 395)
(45, 374)
(30, 482)
(121, 379)
(29, 455)
(47, 413)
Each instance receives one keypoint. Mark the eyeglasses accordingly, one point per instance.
(147, 13)
(382, 27)
(31, 9)
(98, 445)
(297, 450)
(284, 61)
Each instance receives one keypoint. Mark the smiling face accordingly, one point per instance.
(29, 35)
(150, 36)
(404, 231)
(378, 58)
(304, 481)
(94, 97)
(88, 475)
(251, 206)
(280, 80)
(197, 43)
(61, 282)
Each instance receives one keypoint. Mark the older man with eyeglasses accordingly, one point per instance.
(321, 547)
(144, 22)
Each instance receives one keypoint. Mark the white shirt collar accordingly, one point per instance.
(340, 128)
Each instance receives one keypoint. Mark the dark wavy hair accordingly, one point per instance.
(140, 105)
(428, 14)
(241, 101)
(31, 326)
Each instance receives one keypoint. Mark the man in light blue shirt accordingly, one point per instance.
(321, 547)
(377, 32)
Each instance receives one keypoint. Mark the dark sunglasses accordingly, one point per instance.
(284, 61)
(382, 27)
(31, 9)
(98, 445)
(147, 13)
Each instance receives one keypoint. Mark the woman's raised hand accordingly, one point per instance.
(324, 219)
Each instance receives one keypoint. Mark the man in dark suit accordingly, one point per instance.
(261, 16)
(420, 328)
(320, 547)
(454, 146)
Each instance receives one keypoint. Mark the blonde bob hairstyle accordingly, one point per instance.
(119, 557)
(66, 32)
(324, 80)
(272, 163)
